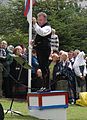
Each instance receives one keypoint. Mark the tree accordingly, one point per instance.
(69, 20)
(13, 24)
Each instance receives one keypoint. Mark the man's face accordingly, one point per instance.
(64, 57)
(41, 20)
(4, 45)
(70, 55)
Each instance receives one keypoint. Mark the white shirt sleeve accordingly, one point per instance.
(77, 71)
(44, 31)
(85, 71)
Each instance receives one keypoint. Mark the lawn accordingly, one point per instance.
(73, 112)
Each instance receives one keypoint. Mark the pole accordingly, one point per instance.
(30, 47)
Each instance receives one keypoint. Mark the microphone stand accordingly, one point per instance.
(10, 109)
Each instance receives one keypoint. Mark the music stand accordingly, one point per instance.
(21, 61)
(24, 64)
(10, 109)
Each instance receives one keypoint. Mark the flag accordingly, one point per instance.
(27, 6)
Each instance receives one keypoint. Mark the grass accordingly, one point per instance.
(20, 106)
(73, 112)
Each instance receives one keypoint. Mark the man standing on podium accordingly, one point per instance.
(42, 44)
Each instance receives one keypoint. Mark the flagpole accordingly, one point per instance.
(30, 47)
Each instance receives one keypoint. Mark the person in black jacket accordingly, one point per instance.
(42, 44)
(20, 74)
(63, 71)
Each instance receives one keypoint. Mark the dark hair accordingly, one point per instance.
(33, 51)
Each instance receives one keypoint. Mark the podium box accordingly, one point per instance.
(48, 105)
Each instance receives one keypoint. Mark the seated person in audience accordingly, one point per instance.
(37, 82)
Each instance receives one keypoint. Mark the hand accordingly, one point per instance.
(32, 42)
(39, 73)
(34, 20)
(82, 77)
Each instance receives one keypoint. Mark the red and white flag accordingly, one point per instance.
(27, 6)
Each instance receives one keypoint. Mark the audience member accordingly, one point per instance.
(54, 41)
(80, 70)
(20, 74)
(37, 81)
(55, 59)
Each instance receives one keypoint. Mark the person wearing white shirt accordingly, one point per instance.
(42, 44)
(80, 61)
(80, 69)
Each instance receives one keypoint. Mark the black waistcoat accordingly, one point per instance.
(42, 41)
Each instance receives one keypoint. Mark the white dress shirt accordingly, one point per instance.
(44, 31)
(80, 61)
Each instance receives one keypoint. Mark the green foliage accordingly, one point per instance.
(73, 112)
(16, 38)
(13, 24)
(69, 20)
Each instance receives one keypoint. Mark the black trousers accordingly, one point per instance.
(43, 59)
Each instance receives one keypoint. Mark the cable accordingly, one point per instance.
(17, 81)
(26, 85)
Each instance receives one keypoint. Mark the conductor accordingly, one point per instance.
(42, 44)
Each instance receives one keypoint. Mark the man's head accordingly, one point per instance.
(4, 44)
(39, 73)
(17, 50)
(76, 52)
(64, 56)
(42, 18)
(70, 54)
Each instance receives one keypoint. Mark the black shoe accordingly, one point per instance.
(72, 101)
(43, 89)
